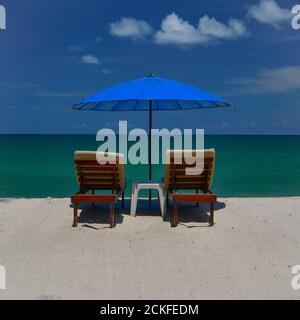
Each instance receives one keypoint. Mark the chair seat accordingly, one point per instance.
(195, 198)
(94, 198)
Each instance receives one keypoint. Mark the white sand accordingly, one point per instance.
(249, 252)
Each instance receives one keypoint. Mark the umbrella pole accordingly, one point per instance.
(150, 147)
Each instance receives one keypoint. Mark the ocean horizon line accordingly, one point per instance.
(92, 134)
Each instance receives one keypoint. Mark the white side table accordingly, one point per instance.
(147, 184)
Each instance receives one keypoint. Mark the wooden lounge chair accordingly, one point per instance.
(177, 179)
(93, 176)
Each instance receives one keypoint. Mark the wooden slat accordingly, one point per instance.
(172, 157)
(98, 173)
(96, 166)
(97, 177)
(203, 187)
(180, 175)
(185, 168)
(95, 182)
(205, 164)
(95, 170)
(96, 198)
(186, 184)
(94, 163)
(191, 177)
(194, 197)
(91, 186)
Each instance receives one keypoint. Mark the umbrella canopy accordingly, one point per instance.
(165, 95)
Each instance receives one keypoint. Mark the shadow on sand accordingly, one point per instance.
(6, 200)
(187, 213)
(193, 214)
(99, 214)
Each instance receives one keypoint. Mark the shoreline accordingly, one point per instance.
(153, 198)
(247, 254)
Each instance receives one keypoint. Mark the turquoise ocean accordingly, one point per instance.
(246, 166)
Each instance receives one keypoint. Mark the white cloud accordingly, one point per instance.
(130, 28)
(269, 12)
(270, 81)
(90, 59)
(106, 72)
(78, 47)
(175, 30)
(213, 28)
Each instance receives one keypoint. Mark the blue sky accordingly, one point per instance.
(55, 52)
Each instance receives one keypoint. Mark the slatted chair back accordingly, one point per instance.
(176, 176)
(91, 175)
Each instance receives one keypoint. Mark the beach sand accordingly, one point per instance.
(248, 254)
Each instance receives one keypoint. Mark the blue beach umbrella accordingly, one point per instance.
(150, 93)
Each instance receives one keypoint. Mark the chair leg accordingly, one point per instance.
(150, 197)
(75, 219)
(168, 201)
(112, 215)
(93, 204)
(212, 208)
(175, 215)
(123, 200)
